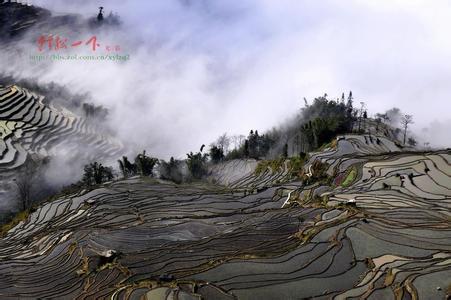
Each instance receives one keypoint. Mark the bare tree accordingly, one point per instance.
(405, 121)
(25, 181)
(223, 142)
(237, 140)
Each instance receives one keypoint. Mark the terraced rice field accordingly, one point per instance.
(376, 226)
(255, 237)
(30, 127)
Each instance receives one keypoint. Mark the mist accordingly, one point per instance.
(197, 69)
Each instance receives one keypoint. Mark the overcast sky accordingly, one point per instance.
(201, 68)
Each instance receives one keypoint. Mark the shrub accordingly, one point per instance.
(196, 163)
(96, 173)
(216, 154)
(142, 166)
(145, 164)
(127, 168)
(171, 170)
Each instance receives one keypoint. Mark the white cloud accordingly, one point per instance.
(200, 68)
